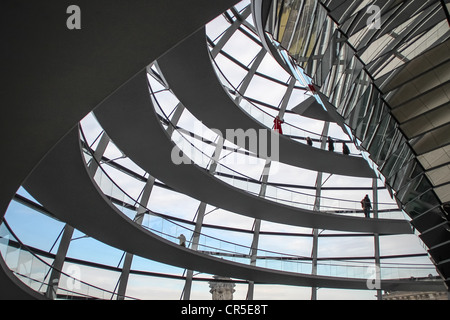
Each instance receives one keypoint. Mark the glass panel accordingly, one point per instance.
(360, 93)
(367, 127)
(405, 155)
(402, 174)
(387, 143)
(418, 186)
(373, 145)
(422, 204)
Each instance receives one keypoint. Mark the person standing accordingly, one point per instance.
(366, 205)
(345, 149)
(182, 239)
(330, 144)
(277, 125)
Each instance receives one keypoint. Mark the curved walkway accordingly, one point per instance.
(189, 72)
(62, 184)
(131, 122)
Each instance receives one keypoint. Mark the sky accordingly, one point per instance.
(41, 231)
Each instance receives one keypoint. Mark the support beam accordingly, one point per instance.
(98, 154)
(195, 240)
(200, 216)
(257, 228)
(248, 78)
(58, 263)
(376, 238)
(175, 118)
(287, 97)
(319, 183)
(230, 31)
(216, 156)
(64, 244)
(123, 282)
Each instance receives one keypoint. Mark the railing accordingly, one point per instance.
(34, 270)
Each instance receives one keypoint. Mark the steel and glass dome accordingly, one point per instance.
(169, 153)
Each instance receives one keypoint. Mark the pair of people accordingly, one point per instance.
(345, 149)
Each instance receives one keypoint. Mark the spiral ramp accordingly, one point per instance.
(57, 176)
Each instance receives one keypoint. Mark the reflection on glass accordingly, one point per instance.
(344, 67)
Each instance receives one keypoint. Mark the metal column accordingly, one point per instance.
(66, 238)
(257, 228)
(248, 78)
(59, 262)
(287, 97)
(262, 192)
(175, 118)
(142, 209)
(376, 238)
(200, 216)
(315, 245)
(98, 154)
(230, 31)
(195, 240)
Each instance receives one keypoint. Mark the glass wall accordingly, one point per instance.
(348, 59)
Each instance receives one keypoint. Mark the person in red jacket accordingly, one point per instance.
(277, 125)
